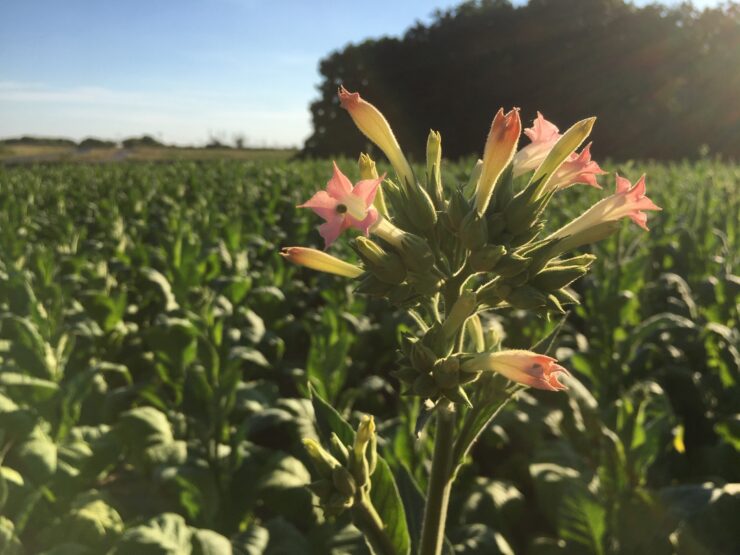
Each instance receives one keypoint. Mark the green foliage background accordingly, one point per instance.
(156, 354)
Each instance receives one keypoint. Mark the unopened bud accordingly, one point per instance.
(387, 266)
(413, 250)
(372, 286)
(473, 231)
(485, 258)
(425, 386)
(323, 461)
(422, 357)
(511, 265)
(369, 171)
(322, 488)
(405, 374)
(551, 279)
(343, 481)
(338, 449)
(526, 297)
(457, 209)
(463, 308)
(457, 395)
(420, 208)
(434, 163)
(564, 147)
(446, 373)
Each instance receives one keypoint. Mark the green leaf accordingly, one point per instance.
(36, 457)
(583, 521)
(384, 494)
(166, 534)
(208, 542)
(9, 542)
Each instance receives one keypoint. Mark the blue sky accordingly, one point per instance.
(182, 70)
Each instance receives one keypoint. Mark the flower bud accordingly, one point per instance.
(511, 265)
(457, 209)
(422, 357)
(369, 171)
(343, 481)
(413, 250)
(387, 266)
(321, 261)
(473, 231)
(434, 165)
(406, 374)
(324, 462)
(463, 308)
(485, 258)
(425, 386)
(564, 147)
(457, 395)
(373, 287)
(419, 208)
(526, 297)
(375, 127)
(338, 449)
(553, 278)
(500, 148)
(446, 372)
(322, 488)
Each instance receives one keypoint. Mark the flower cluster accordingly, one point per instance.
(450, 253)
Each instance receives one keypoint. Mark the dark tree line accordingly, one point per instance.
(662, 81)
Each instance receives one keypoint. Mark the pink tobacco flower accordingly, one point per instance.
(627, 202)
(578, 168)
(320, 261)
(543, 134)
(344, 206)
(521, 366)
(498, 152)
(375, 127)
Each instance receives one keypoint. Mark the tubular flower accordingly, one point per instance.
(375, 127)
(499, 150)
(628, 201)
(578, 168)
(520, 366)
(543, 134)
(321, 261)
(344, 206)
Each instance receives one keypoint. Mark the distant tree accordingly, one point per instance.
(143, 141)
(662, 80)
(38, 141)
(92, 142)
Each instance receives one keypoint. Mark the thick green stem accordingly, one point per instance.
(440, 482)
(367, 520)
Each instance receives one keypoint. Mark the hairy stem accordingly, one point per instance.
(440, 482)
(367, 520)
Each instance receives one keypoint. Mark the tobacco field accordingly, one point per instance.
(158, 359)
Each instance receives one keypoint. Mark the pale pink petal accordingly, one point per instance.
(364, 225)
(542, 131)
(339, 185)
(332, 229)
(323, 204)
(640, 218)
(623, 184)
(367, 189)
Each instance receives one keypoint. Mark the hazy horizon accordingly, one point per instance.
(184, 72)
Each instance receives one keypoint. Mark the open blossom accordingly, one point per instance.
(627, 202)
(578, 168)
(521, 366)
(344, 206)
(499, 150)
(320, 261)
(543, 134)
(375, 127)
